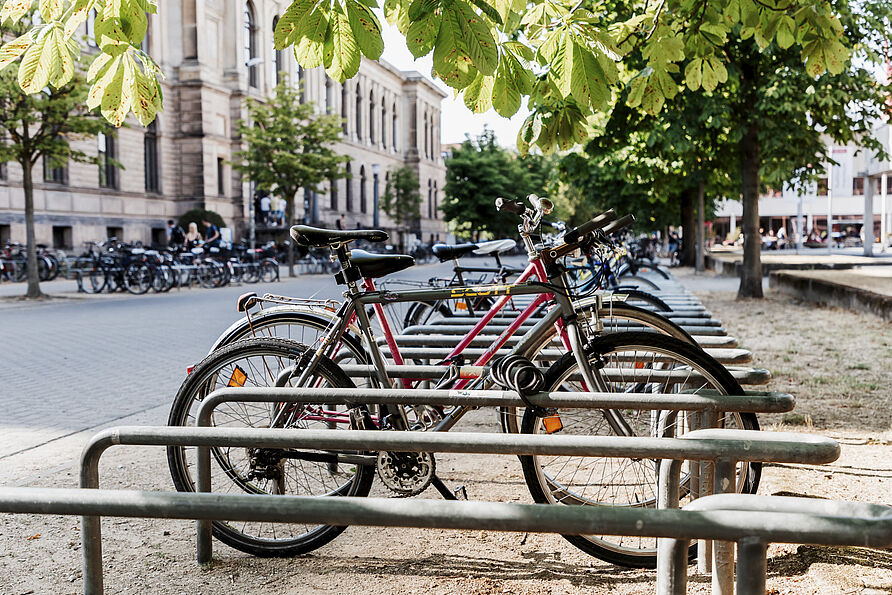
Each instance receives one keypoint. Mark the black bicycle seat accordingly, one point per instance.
(319, 238)
(449, 251)
(372, 266)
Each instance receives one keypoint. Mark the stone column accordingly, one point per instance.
(867, 229)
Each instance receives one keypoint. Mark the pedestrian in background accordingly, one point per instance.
(193, 238)
(264, 208)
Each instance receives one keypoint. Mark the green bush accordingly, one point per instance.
(199, 215)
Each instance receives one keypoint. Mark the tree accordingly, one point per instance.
(288, 147)
(479, 172)
(402, 198)
(196, 216)
(566, 58)
(43, 126)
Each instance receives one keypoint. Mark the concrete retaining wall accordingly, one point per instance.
(821, 291)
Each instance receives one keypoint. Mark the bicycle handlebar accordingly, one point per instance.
(619, 224)
(574, 235)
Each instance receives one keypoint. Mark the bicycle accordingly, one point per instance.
(647, 364)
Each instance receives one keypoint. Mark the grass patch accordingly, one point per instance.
(796, 419)
(859, 367)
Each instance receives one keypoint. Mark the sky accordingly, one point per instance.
(456, 119)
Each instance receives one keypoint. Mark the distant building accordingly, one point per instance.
(847, 188)
(215, 54)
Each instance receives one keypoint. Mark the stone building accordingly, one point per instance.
(214, 54)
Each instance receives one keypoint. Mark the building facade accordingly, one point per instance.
(856, 191)
(215, 54)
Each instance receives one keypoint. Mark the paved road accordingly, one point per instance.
(75, 363)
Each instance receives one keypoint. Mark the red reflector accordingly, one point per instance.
(189, 370)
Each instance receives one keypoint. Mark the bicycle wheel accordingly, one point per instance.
(627, 279)
(642, 298)
(269, 270)
(257, 363)
(138, 278)
(626, 362)
(94, 279)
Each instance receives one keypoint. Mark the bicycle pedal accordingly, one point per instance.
(460, 493)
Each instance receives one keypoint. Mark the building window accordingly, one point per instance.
(329, 98)
(435, 201)
(344, 104)
(251, 44)
(430, 199)
(333, 194)
(108, 173)
(822, 186)
(62, 237)
(278, 57)
(426, 135)
(159, 237)
(5, 234)
(362, 180)
(394, 141)
(221, 179)
(54, 174)
(3, 174)
(114, 232)
(358, 113)
(91, 29)
(150, 148)
(371, 118)
(348, 188)
(302, 83)
(146, 44)
(383, 125)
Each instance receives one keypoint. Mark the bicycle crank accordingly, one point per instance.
(406, 473)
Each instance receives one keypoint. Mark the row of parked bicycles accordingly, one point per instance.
(14, 262)
(581, 315)
(110, 266)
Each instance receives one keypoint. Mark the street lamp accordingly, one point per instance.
(376, 170)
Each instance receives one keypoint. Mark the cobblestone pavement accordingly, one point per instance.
(77, 362)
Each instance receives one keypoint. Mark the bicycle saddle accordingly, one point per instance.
(320, 238)
(497, 246)
(447, 252)
(372, 266)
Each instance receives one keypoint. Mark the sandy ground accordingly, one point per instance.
(877, 279)
(835, 362)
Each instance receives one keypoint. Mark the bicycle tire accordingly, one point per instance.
(637, 295)
(269, 271)
(623, 482)
(624, 279)
(138, 278)
(229, 465)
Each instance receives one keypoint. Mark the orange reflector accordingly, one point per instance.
(461, 306)
(639, 365)
(238, 377)
(552, 424)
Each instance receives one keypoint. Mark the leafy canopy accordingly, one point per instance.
(402, 197)
(565, 56)
(288, 146)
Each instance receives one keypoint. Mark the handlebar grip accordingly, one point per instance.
(512, 206)
(575, 234)
(619, 224)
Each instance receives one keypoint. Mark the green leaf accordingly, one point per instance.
(693, 73)
(786, 32)
(478, 95)
(421, 8)
(311, 40)
(134, 21)
(109, 71)
(143, 98)
(506, 99)
(11, 51)
(366, 29)
(478, 36)
(50, 10)
(65, 71)
(79, 14)
(397, 13)
(13, 10)
(710, 79)
(99, 66)
(422, 35)
(37, 64)
(340, 53)
(116, 99)
(835, 56)
(488, 10)
(451, 61)
(636, 91)
(588, 82)
(288, 24)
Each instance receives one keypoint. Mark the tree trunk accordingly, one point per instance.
(689, 225)
(751, 273)
(292, 215)
(701, 231)
(33, 291)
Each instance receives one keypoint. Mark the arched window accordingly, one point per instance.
(395, 137)
(345, 123)
(383, 124)
(150, 152)
(349, 188)
(251, 44)
(371, 117)
(333, 194)
(435, 202)
(426, 135)
(362, 180)
(278, 57)
(358, 112)
(430, 198)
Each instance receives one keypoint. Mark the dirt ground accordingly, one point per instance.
(835, 362)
